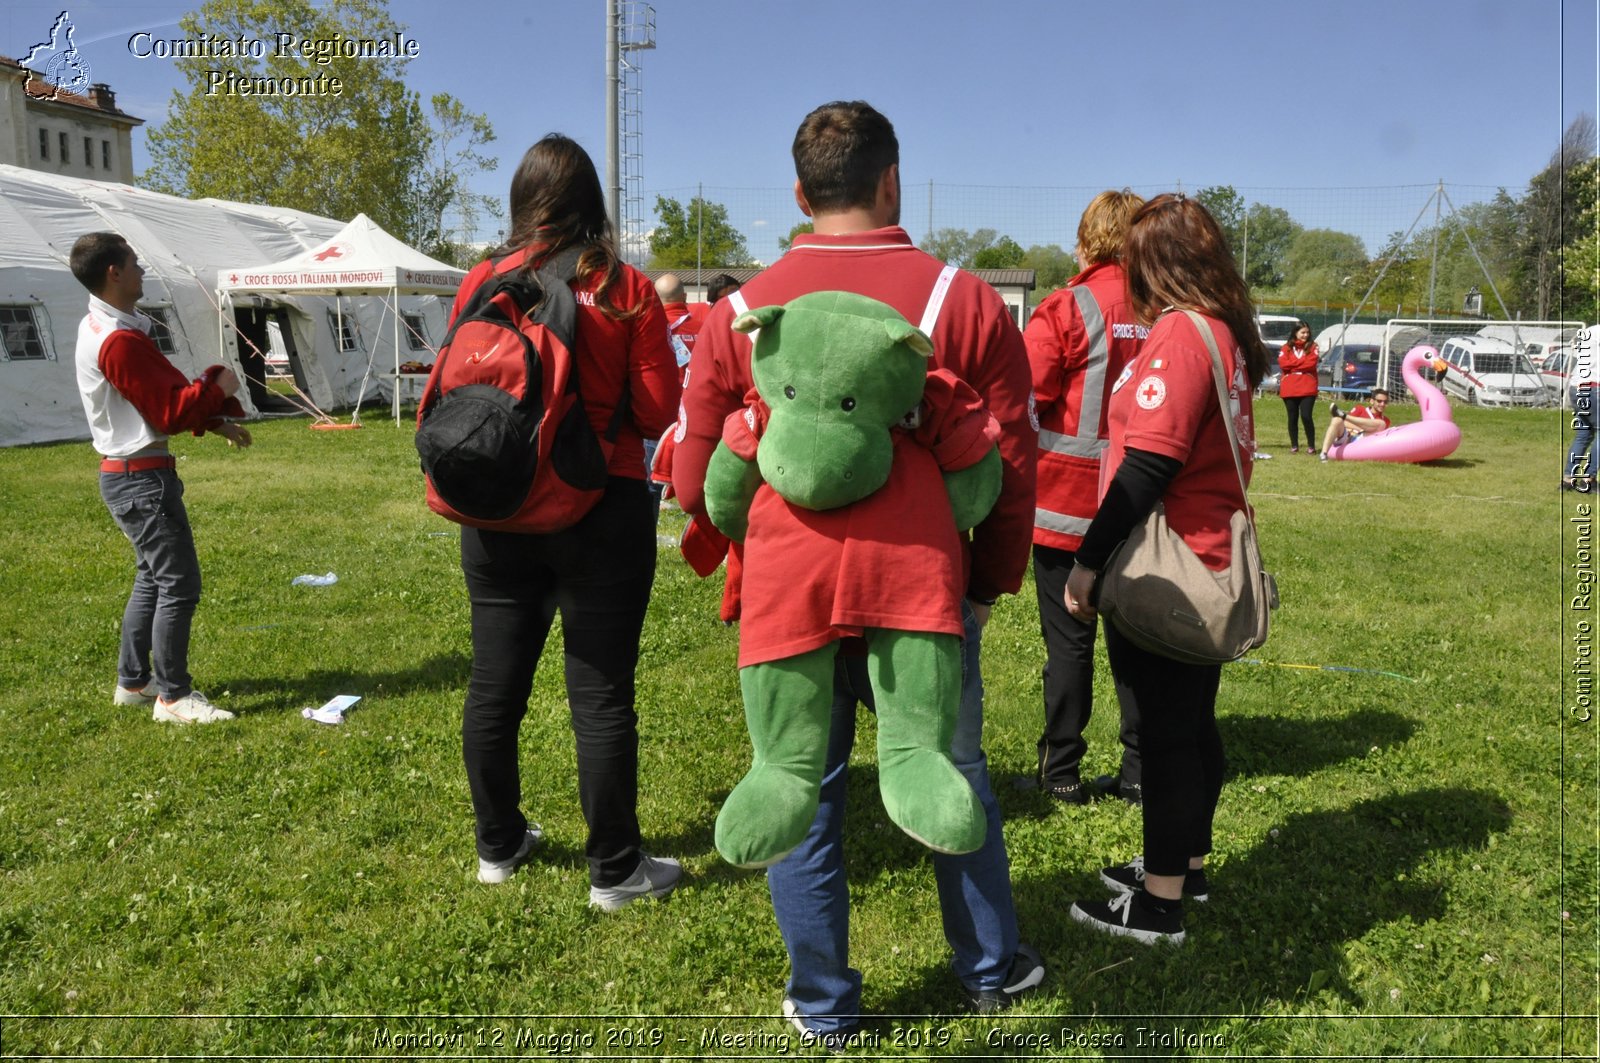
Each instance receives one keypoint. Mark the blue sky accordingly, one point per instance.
(1337, 94)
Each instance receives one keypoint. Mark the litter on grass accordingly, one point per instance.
(333, 711)
(315, 581)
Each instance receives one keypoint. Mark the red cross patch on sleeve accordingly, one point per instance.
(1152, 392)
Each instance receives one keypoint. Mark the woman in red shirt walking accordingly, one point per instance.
(1298, 389)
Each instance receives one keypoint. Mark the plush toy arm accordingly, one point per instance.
(974, 490)
(731, 484)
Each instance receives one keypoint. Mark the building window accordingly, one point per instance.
(416, 332)
(64, 148)
(344, 328)
(160, 331)
(19, 335)
(44, 143)
(105, 154)
(88, 152)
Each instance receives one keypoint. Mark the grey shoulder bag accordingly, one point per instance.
(1164, 598)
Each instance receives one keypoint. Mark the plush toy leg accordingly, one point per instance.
(916, 680)
(787, 707)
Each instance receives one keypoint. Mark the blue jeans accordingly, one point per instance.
(1578, 458)
(148, 507)
(810, 895)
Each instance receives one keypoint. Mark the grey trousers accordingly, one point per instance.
(148, 507)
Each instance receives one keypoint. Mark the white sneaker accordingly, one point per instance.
(655, 875)
(494, 872)
(195, 708)
(140, 698)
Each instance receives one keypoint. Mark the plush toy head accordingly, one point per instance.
(838, 371)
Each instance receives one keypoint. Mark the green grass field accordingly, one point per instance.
(1406, 849)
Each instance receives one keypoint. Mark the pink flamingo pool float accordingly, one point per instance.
(1435, 436)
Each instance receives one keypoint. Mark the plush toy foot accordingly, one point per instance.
(930, 800)
(916, 680)
(765, 817)
(788, 709)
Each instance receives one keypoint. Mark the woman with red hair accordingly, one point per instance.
(1172, 443)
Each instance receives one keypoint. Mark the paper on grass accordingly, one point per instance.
(333, 711)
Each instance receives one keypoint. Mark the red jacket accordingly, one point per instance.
(975, 338)
(1074, 364)
(1299, 365)
(684, 321)
(610, 353)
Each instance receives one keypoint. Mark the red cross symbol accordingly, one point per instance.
(332, 252)
(1150, 393)
(233, 278)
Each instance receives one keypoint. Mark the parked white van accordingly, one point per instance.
(1490, 372)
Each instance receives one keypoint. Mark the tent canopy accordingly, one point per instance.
(361, 257)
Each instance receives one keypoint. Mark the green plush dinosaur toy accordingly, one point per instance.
(850, 477)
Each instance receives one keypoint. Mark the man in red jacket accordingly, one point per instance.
(848, 181)
(135, 399)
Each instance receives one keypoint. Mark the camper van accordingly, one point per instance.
(1491, 372)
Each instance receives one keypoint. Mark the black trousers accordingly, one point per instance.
(597, 574)
(1300, 411)
(1182, 750)
(1069, 679)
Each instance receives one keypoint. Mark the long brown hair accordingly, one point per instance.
(557, 202)
(1177, 256)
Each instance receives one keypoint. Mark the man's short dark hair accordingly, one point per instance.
(1380, 391)
(840, 152)
(719, 286)
(95, 253)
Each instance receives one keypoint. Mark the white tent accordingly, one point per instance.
(182, 244)
(361, 258)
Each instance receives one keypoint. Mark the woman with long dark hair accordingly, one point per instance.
(1172, 443)
(1298, 386)
(597, 573)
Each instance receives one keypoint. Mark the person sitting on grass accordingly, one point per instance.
(1349, 427)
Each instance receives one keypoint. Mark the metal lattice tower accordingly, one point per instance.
(636, 31)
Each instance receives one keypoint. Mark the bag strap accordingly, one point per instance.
(941, 287)
(1222, 400)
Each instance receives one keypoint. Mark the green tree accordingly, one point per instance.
(786, 242)
(1264, 241)
(1322, 265)
(695, 234)
(1227, 207)
(1004, 253)
(352, 139)
(960, 247)
(447, 210)
(1553, 201)
(1052, 267)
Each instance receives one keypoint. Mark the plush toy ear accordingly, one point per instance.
(757, 318)
(901, 332)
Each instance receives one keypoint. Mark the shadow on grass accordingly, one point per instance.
(1256, 745)
(1284, 745)
(445, 672)
(1280, 915)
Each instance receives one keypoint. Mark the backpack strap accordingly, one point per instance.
(941, 287)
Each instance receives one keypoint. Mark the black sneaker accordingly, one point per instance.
(1130, 915)
(1068, 793)
(1107, 785)
(1130, 877)
(1027, 971)
(1334, 411)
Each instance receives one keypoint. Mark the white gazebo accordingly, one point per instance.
(361, 259)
